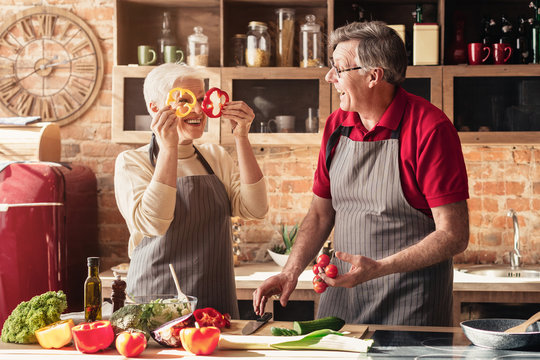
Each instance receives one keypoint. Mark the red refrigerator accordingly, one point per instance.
(48, 227)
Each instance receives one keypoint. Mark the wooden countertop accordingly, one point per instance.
(155, 351)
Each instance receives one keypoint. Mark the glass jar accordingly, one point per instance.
(238, 50)
(312, 121)
(197, 48)
(258, 45)
(167, 36)
(285, 37)
(311, 49)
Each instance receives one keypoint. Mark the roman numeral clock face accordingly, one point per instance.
(50, 65)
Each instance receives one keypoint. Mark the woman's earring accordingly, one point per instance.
(153, 107)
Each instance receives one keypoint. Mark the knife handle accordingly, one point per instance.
(266, 316)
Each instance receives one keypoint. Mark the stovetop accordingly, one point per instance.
(436, 345)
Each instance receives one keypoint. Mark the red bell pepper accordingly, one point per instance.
(92, 337)
(211, 317)
(200, 341)
(215, 98)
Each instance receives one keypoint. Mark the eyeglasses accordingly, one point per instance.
(340, 71)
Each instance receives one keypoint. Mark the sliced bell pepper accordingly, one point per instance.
(200, 341)
(211, 317)
(182, 109)
(215, 98)
(55, 335)
(92, 337)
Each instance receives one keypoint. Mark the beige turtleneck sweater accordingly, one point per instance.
(148, 206)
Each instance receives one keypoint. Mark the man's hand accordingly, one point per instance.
(362, 270)
(281, 283)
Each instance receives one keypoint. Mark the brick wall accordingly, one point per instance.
(500, 177)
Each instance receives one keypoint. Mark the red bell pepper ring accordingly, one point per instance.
(200, 341)
(92, 337)
(215, 98)
(182, 109)
(211, 317)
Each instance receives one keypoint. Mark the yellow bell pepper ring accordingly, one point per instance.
(178, 93)
(55, 335)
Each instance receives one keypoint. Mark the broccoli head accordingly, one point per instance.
(29, 316)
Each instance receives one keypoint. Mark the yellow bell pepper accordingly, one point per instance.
(55, 335)
(178, 93)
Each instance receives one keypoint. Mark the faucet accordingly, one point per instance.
(515, 255)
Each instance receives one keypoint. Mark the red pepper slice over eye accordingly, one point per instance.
(182, 108)
(213, 102)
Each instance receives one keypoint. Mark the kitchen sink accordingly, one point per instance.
(504, 271)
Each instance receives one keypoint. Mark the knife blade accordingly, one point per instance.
(253, 326)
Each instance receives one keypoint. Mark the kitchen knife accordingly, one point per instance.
(252, 326)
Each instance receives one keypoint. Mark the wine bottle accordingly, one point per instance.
(535, 39)
(92, 291)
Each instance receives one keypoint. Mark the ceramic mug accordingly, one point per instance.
(146, 55)
(283, 123)
(172, 54)
(476, 53)
(501, 53)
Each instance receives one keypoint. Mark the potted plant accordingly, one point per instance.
(280, 253)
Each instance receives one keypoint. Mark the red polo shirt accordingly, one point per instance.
(431, 164)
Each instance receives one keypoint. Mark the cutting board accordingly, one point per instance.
(238, 325)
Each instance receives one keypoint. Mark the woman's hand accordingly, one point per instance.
(240, 116)
(164, 126)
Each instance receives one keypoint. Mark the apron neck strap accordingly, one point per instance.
(203, 161)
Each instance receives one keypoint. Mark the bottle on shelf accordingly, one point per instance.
(92, 291)
(285, 37)
(311, 47)
(118, 294)
(238, 46)
(417, 13)
(167, 36)
(312, 121)
(535, 37)
(458, 48)
(197, 48)
(522, 42)
(258, 45)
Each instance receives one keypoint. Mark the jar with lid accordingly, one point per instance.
(311, 49)
(238, 50)
(285, 37)
(258, 45)
(197, 48)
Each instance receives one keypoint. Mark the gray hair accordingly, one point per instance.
(161, 80)
(379, 46)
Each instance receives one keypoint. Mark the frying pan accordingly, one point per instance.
(489, 333)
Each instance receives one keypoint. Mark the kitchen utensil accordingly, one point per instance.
(252, 326)
(181, 295)
(489, 333)
(523, 327)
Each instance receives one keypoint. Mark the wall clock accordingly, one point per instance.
(51, 65)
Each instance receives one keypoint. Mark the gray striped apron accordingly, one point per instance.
(198, 243)
(374, 219)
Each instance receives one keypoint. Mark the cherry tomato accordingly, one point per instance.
(331, 271)
(131, 343)
(316, 269)
(323, 260)
(319, 287)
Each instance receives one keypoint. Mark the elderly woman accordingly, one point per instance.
(178, 198)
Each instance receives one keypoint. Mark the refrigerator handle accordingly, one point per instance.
(5, 207)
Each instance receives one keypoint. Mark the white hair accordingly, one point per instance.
(161, 80)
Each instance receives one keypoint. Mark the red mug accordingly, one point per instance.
(501, 53)
(476, 53)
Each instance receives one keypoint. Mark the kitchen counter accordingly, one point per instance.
(414, 341)
(468, 288)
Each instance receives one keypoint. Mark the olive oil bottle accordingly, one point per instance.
(92, 291)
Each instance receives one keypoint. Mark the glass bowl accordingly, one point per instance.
(171, 300)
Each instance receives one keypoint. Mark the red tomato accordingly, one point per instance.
(316, 269)
(317, 279)
(323, 260)
(331, 271)
(130, 343)
(319, 287)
